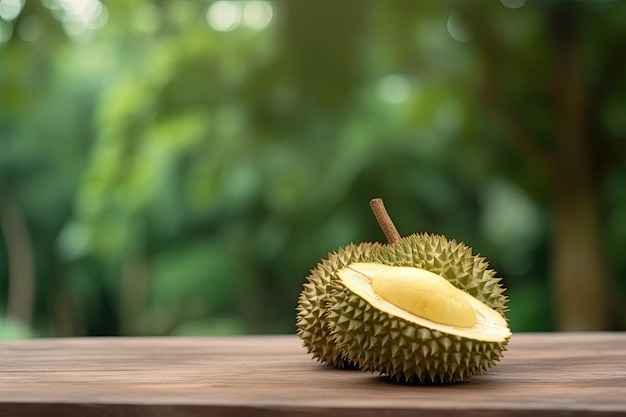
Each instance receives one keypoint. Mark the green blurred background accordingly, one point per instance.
(177, 167)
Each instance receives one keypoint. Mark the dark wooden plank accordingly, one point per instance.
(573, 374)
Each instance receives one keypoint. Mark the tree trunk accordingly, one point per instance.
(21, 291)
(579, 268)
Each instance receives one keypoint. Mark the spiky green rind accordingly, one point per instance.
(379, 342)
(453, 261)
(311, 317)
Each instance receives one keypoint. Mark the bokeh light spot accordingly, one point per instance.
(10, 9)
(510, 218)
(513, 4)
(78, 16)
(456, 29)
(257, 14)
(224, 16)
(394, 89)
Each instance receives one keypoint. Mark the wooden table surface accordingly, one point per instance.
(573, 374)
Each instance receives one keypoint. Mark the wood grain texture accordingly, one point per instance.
(574, 374)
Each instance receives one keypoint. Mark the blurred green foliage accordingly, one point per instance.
(179, 166)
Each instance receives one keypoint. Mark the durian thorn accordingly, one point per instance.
(384, 221)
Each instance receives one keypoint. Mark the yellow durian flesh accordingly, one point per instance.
(424, 294)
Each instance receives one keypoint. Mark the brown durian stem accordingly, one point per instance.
(384, 221)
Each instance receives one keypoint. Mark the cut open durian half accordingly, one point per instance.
(417, 336)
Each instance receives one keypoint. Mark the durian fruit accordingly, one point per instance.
(420, 309)
(311, 323)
